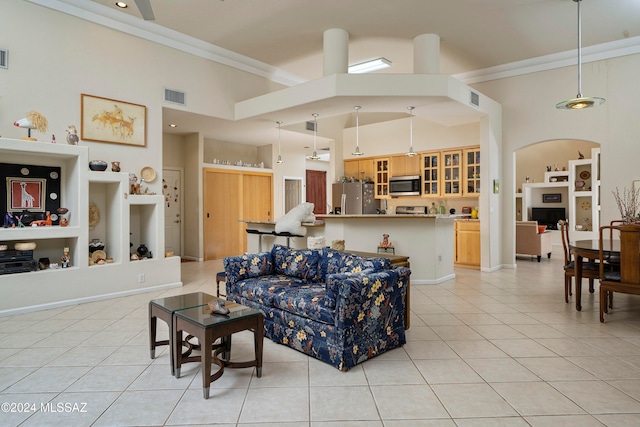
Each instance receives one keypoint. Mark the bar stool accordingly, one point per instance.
(260, 234)
(287, 235)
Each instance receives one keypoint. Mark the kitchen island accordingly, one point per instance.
(426, 239)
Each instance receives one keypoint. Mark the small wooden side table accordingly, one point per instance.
(208, 327)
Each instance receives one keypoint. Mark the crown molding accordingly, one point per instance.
(615, 49)
(107, 17)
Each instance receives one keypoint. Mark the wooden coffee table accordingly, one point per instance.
(164, 308)
(208, 327)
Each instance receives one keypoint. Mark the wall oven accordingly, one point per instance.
(404, 186)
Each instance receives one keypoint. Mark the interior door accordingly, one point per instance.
(223, 234)
(317, 190)
(172, 191)
(257, 199)
(292, 193)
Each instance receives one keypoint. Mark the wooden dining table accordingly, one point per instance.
(590, 249)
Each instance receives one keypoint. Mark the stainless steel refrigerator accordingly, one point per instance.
(354, 198)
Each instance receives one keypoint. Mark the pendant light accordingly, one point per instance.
(357, 152)
(279, 161)
(580, 101)
(411, 153)
(314, 156)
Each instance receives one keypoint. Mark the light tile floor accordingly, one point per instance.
(498, 349)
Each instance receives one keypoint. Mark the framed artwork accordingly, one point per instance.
(110, 120)
(31, 188)
(552, 198)
(26, 193)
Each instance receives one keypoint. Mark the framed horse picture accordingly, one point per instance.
(110, 120)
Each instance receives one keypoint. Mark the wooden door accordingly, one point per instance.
(317, 190)
(257, 199)
(223, 234)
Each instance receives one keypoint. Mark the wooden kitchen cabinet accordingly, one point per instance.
(360, 169)
(467, 243)
(471, 171)
(430, 164)
(403, 165)
(381, 179)
(451, 173)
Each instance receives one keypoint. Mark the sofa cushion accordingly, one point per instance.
(335, 262)
(306, 301)
(247, 265)
(300, 263)
(263, 289)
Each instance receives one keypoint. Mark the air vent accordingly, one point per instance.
(174, 96)
(311, 126)
(4, 58)
(475, 99)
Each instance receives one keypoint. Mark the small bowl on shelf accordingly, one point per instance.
(98, 165)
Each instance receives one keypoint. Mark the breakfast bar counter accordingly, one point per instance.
(426, 239)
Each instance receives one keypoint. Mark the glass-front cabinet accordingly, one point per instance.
(451, 176)
(430, 164)
(472, 171)
(382, 178)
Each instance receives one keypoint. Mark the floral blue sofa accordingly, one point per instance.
(337, 307)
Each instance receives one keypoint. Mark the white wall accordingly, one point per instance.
(54, 57)
(393, 137)
(614, 125)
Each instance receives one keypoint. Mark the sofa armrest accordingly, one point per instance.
(248, 265)
(370, 312)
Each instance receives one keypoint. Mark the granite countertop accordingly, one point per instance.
(394, 216)
(317, 223)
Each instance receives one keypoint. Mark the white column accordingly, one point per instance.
(336, 51)
(426, 54)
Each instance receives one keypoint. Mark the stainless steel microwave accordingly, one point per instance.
(404, 185)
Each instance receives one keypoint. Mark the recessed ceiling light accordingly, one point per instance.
(122, 5)
(172, 125)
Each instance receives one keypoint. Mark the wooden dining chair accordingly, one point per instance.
(590, 269)
(626, 278)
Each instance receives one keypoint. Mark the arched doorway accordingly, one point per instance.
(556, 179)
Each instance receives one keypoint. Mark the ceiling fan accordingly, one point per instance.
(144, 6)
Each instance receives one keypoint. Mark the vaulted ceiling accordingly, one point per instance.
(474, 34)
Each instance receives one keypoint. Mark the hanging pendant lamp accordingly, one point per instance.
(580, 101)
(279, 161)
(357, 152)
(411, 153)
(314, 156)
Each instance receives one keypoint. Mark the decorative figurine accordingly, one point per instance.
(33, 120)
(72, 135)
(9, 220)
(65, 261)
(64, 221)
(48, 222)
(115, 166)
(385, 242)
